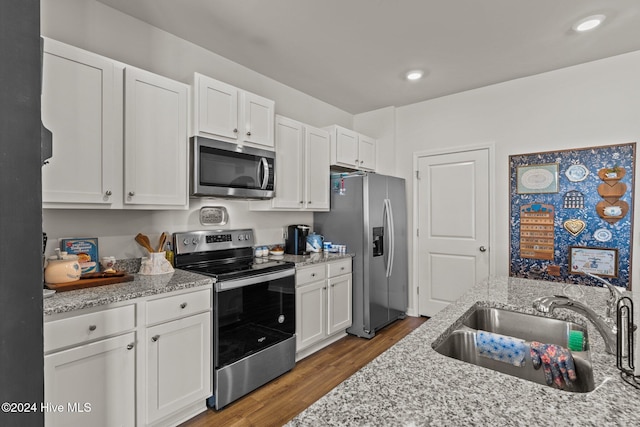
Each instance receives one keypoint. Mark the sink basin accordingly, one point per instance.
(460, 343)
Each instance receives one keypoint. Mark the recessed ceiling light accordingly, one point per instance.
(414, 75)
(588, 23)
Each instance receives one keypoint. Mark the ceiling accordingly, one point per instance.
(353, 54)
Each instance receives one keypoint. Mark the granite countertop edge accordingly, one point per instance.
(142, 286)
(412, 384)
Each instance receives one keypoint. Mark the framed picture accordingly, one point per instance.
(538, 179)
(599, 261)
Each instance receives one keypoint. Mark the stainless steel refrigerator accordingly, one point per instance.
(369, 215)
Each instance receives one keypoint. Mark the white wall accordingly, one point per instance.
(587, 105)
(380, 124)
(93, 26)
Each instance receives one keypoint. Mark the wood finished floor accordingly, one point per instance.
(277, 402)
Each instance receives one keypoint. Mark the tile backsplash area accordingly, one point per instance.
(116, 229)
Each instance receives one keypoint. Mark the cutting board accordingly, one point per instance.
(89, 283)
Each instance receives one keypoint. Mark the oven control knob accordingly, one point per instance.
(186, 242)
(241, 237)
(247, 236)
(195, 241)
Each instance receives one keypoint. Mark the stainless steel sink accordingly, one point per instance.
(460, 343)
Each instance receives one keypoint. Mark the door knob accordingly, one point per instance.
(483, 249)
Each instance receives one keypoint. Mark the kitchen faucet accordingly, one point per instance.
(606, 326)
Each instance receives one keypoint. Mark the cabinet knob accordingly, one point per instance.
(235, 131)
(301, 202)
(342, 268)
(309, 202)
(155, 338)
(361, 161)
(132, 193)
(313, 274)
(108, 193)
(130, 346)
(92, 327)
(249, 133)
(183, 305)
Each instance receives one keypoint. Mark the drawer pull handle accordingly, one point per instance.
(183, 305)
(155, 338)
(92, 327)
(130, 346)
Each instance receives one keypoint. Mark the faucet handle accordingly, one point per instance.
(615, 293)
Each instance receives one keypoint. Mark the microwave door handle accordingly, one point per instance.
(265, 173)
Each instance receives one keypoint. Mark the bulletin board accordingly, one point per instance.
(571, 211)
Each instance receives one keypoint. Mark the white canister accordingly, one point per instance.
(63, 270)
(157, 263)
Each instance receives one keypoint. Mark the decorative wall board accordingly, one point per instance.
(588, 203)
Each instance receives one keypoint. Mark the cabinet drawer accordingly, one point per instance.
(339, 267)
(310, 274)
(88, 327)
(173, 307)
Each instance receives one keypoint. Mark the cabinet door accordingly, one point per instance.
(310, 314)
(216, 108)
(81, 105)
(257, 114)
(178, 365)
(155, 160)
(339, 303)
(289, 167)
(366, 153)
(100, 375)
(317, 159)
(346, 147)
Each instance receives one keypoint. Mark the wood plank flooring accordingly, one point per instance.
(277, 402)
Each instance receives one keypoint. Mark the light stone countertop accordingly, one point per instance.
(141, 286)
(413, 385)
(314, 258)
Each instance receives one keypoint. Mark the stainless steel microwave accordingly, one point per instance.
(223, 169)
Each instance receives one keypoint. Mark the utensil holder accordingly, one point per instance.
(157, 263)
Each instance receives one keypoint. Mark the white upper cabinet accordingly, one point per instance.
(230, 114)
(82, 106)
(317, 153)
(302, 168)
(351, 149)
(155, 149)
(120, 134)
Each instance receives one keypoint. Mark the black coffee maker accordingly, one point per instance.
(296, 242)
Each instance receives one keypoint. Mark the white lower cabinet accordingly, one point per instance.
(178, 365)
(323, 305)
(143, 362)
(92, 384)
(88, 379)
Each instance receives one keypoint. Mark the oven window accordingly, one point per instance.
(252, 318)
(222, 168)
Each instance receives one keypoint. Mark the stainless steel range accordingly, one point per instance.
(253, 310)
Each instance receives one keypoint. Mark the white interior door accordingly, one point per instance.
(453, 220)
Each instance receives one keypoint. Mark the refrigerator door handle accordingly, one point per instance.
(393, 239)
(388, 224)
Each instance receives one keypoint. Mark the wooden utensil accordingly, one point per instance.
(163, 239)
(144, 242)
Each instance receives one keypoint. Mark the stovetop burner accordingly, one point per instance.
(223, 254)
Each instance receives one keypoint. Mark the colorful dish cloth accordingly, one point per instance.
(501, 348)
(556, 361)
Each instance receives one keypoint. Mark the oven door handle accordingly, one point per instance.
(239, 283)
